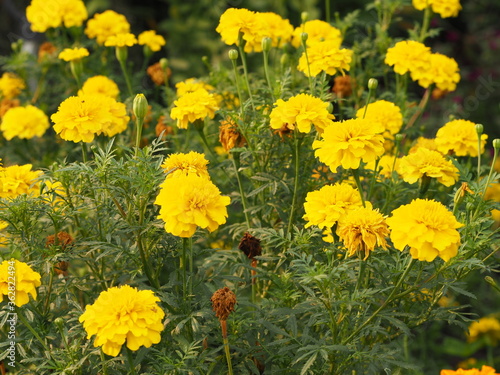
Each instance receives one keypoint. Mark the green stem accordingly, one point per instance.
(492, 168)
(130, 361)
(104, 365)
(355, 174)
(84, 152)
(383, 306)
(235, 70)
(236, 163)
(228, 356)
(425, 25)
(183, 267)
(327, 10)
(31, 329)
(311, 87)
(245, 70)
(127, 78)
(138, 134)
(49, 290)
(297, 141)
(266, 71)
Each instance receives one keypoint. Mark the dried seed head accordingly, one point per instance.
(229, 136)
(64, 240)
(250, 245)
(223, 301)
(342, 86)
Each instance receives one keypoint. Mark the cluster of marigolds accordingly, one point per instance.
(125, 315)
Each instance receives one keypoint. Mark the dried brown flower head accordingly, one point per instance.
(438, 93)
(64, 240)
(250, 245)
(284, 131)
(7, 104)
(46, 50)
(157, 74)
(342, 86)
(229, 136)
(162, 127)
(223, 301)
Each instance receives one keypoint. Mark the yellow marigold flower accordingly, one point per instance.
(485, 370)
(348, 142)
(460, 138)
(101, 85)
(409, 56)
(3, 236)
(123, 314)
(185, 164)
(71, 54)
(121, 40)
(275, 27)
(445, 8)
(233, 21)
(188, 202)
(26, 281)
(424, 162)
(106, 24)
(11, 85)
(18, 179)
(45, 14)
(24, 122)
(152, 40)
(493, 193)
(193, 106)
(422, 142)
(488, 326)
(385, 113)
(192, 85)
(317, 32)
(443, 71)
(301, 111)
(325, 57)
(427, 227)
(324, 207)
(362, 229)
(386, 165)
(81, 118)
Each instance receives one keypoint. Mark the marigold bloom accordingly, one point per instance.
(152, 40)
(229, 135)
(24, 122)
(422, 142)
(101, 85)
(317, 32)
(197, 203)
(157, 74)
(362, 229)
(301, 111)
(185, 164)
(443, 71)
(409, 56)
(385, 113)
(123, 314)
(6, 104)
(324, 207)
(386, 165)
(71, 54)
(11, 85)
(26, 281)
(460, 138)
(325, 57)
(488, 326)
(275, 27)
(81, 118)
(427, 227)
(18, 179)
(45, 14)
(233, 21)
(192, 85)
(493, 193)
(424, 162)
(485, 370)
(445, 8)
(121, 40)
(348, 142)
(103, 25)
(193, 106)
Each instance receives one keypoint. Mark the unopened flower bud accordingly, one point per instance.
(398, 137)
(479, 129)
(266, 44)
(284, 60)
(164, 63)
(59, 322)
(496, 143)
(304, 36)
(233, 54)
(372, 84)
(121, 53)
(460, 193)
(304, 16)
(329, 108)
(490, 280)
(140, 107)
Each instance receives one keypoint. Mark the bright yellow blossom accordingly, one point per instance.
(460, 138)
(71, 54)
(385, 113)
(325, 57)
(193, 106)
(24, 122)
(10, 85)
(46, 14)
(100, 85)
(191, 85)
(445, 8)
(106, 24)
(409, 56)
(443, 71)
(488, 326)
(18, 179)
(26, 281)
(317, 32)
(275, 27)
(180, 164)
(235, 21)
(121, 40)
(152, 40)
(485, 370)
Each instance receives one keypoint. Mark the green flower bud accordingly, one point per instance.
(330, 107)
(121, 53)
(496, 143)
(372, 84)
(59, 322)
(304, 36)
(479, 129)
(266, 44)
(398, 137)
(304, 16)
(233, 54)
(164, 63)
(285, 60)
(204, 60)
(140, 107)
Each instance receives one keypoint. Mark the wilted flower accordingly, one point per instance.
(460, 138)
(24, 122)
(301, 111)
(424, 162)
(162, 127)
(317, 32)
(10, 85)
(325, 57)
(26, 281)
(349, 142)
(223, 302)
(193, 106)
(72, 54)
(6, 104)
(100, 85)
(152, 40)
(197, 203)
(123, 314)
(427, 228)
(186, 164)
(250, 245)
(445, 8)
(229, 135)
(157, 74)
(46, 50)
(64, 241)
(45, 14)
(106, 24)
(342, 86)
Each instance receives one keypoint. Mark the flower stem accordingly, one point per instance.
(130, 361)
(84, 152)
(355, 174)
(425, 24)
(183, 266)
(266, 71)
(228, 354)
(235, 69)
(127, 78)
(327, 11)
(236, 163)
(241, 44)
(492, 168)
(138, 134)
(31, 329)
(49, 291)
(311, 87)
(297, 142)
